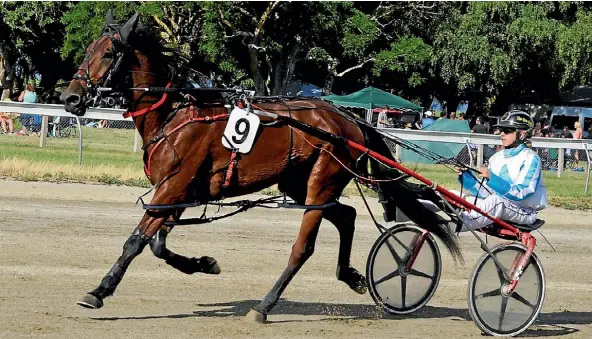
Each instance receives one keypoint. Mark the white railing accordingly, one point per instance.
(47, 110)
(490, 139)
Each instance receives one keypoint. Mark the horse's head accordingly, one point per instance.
(101, 65)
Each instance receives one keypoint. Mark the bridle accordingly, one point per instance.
(94, 95)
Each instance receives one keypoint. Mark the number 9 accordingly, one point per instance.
(242, 132)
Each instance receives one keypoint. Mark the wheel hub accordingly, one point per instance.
(404, 270)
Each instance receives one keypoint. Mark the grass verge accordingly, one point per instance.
(108, 158)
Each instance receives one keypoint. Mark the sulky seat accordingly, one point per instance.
(528, 228)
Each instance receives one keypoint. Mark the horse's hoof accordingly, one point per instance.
(353, 279)
(256, 316)
(360, 289)
(90, 301)
(210, 265)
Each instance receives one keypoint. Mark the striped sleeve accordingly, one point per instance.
(528, 180)
(470, 183)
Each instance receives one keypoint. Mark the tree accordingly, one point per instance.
(30, 36)
(497, 51)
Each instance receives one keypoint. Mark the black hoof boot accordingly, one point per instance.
(209, 265)
(353, 279)
(90, 301)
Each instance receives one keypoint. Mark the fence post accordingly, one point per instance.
(43, 132)
(587, 167)
(560, 159)
(399, 153)
(137, 141)
(79, 141)
(479, 155)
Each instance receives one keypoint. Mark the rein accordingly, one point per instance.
(193, 117)
(151, 107)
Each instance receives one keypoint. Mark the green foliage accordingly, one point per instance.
(476, 51)
(574, 47)
(360, 31)
(86, 20)
(406, 55)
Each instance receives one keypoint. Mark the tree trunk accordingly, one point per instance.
(258, 77)
(329, 84)
(6, 71)
(284, 70)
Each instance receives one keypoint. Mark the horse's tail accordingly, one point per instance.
(405, 195)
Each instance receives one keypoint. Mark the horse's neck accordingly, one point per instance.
(149, 124)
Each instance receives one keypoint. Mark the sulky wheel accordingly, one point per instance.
(392, 285)
(493, 308)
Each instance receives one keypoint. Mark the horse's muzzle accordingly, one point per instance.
(73, 103)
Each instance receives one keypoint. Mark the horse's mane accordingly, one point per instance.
(166, 62)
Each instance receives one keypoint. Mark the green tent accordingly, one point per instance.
(370, 98)
(444, 149)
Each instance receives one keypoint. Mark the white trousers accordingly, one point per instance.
(495, 206)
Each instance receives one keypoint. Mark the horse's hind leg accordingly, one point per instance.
(344, 218)
(302, 249)
(184, 264)
(325, 183)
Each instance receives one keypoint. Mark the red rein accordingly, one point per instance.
(149, 108)
(193, 117)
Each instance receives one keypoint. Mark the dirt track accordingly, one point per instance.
(58, 240)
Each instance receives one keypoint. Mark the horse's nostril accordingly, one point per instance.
(73, 99)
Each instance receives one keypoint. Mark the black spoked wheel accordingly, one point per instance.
(493, 309)
(392, 285)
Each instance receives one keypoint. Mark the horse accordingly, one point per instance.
(185, 160)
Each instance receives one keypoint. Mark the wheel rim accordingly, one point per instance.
(394, 287)
(496, 311)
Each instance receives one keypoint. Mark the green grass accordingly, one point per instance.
(108, 158)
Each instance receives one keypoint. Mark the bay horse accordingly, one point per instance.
(185, 160)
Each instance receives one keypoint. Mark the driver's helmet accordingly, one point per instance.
(516, 120)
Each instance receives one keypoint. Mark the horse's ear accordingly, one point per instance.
(109, 20)
(129, 27)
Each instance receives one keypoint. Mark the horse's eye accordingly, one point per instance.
(108, 55)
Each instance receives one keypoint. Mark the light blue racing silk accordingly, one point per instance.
(515, 174)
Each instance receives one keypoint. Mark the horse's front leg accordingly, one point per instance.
(182, 263)
(140, 237)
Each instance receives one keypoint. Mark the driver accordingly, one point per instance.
(513, 188)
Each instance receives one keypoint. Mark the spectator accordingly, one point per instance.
(6, 118)
(29, 120)
(579, 134)
(382, 118)
(427, 119)
(566, 134)
(479, 127)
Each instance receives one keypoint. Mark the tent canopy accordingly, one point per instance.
(445, 149)
(371, 97)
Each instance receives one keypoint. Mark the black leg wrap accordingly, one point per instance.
(158, 244)
(186, 265)
(133, 247)
(352, 278)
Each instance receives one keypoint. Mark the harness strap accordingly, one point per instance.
(230, 170)
(193, 117)
(149, 108)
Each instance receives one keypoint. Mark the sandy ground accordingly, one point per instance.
(58, 240)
